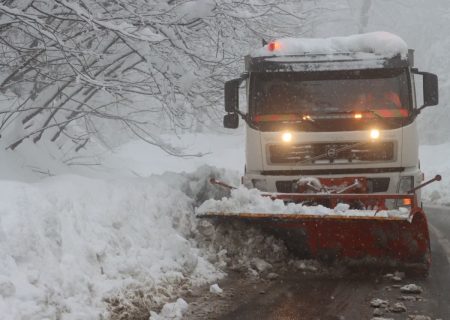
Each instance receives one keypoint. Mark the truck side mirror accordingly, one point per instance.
(430, 89)
(232, 95)
(231, 121)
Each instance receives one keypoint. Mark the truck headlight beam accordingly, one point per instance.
(286, 137)
(374, 134)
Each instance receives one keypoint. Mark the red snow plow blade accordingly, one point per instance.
(388, 241)
(367, 239)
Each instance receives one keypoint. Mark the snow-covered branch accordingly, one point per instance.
(162, 62)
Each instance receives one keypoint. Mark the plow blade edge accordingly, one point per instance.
(389, 241)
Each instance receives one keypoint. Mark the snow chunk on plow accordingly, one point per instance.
(254, 201)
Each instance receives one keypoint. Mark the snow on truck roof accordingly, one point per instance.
(380, 43)
(361, 51)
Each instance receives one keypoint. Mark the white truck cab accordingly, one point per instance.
(340, 110)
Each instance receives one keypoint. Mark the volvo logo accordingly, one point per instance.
(331, 153)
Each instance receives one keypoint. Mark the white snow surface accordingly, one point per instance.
(171, 311)
(378, 43)
(245, 200)
(214, 288)
(411, 288)
(68, 242)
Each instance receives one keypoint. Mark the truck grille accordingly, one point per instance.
(373, 185)
(326, 153)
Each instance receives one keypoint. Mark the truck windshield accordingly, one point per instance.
(330, 92)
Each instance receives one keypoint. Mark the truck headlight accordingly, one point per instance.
(286, 136)
(405, 184)
(374, 134)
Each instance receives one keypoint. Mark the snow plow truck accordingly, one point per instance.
(332, 121)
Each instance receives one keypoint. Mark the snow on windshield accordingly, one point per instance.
(379, 43)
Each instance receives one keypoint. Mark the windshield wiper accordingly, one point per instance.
(309, 119)
(352, 112)
(303, 118)
(379, 116)
(340, 112)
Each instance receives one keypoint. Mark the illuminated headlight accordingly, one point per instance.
(405, 184)
(260, 184)
(286, 137)
(374, 134)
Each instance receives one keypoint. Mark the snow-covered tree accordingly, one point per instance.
(74, 71)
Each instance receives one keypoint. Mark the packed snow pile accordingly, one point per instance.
(83, 248)
(245, 200)
(379, 43)
(67, 243)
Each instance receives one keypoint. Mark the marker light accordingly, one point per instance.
(406, 202)
(286, 137)
(374, 133)
(358, 116)
(273, 46)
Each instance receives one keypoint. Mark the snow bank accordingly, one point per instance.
(251, 201)
(68, 242)
(81, 248)
(379, 43)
